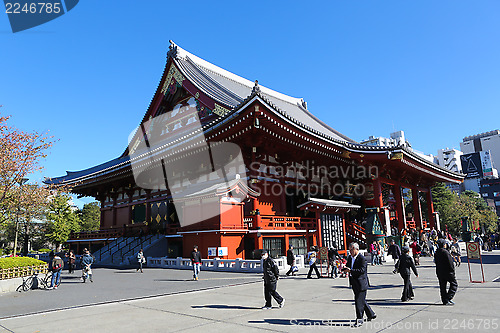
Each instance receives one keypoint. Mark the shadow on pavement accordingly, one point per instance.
(306, 322)
(224, 307)
(384, 302)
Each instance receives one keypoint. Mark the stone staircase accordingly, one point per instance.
(123, 250)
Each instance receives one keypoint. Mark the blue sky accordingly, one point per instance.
(430, 68)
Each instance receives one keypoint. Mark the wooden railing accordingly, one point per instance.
(356, 231)
(15, 272)
(285, 222)
(97, 234)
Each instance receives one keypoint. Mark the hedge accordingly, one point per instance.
(11, 262)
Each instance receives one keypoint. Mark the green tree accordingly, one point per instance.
(61, 219)
(90, 216)
(452, 208)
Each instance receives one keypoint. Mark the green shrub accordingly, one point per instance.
(44, 250)
(20, 262)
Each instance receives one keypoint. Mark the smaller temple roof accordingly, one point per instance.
(328, 204)
(217, 189)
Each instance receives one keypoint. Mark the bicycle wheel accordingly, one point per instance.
(27, 284)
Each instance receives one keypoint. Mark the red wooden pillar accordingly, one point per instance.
(318, 229)
(430, 210)
(377, 191)
(416, 208)
(287, 242)
(345, 236)
(400, 208)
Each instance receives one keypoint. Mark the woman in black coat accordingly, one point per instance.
(403, 265)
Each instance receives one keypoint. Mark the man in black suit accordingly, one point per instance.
(445, 271)
(358, 278)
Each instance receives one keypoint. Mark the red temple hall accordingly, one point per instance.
(219, 161)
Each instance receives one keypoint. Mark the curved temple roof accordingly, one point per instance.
(232, 90)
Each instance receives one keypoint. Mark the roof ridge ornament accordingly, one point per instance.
(256, 87)
(172, 50)
(304, 104)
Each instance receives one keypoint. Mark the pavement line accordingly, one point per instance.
(495, 279)
(5, 328)
(125, 300)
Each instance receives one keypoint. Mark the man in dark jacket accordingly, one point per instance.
(394, 250)
(290, 260)
(271, 275)
(358, 278)
(445, 271)
(404, 264)
(196, 262)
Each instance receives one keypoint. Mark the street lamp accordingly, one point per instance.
(21, 182)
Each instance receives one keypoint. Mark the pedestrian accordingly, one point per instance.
(403, 266)
(271, 276)
(140, 260)
(312, 256)
(333, 255)
(358, 278)
(71, 261)
(455, 252)
(290, 260)
(417, 251)
(374, 250)
(196, 261)
(56, 266)
(445, 271)
(394, 250)
(86, 265)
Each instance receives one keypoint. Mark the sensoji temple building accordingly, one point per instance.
(221, 161)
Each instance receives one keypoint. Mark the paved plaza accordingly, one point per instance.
(163, 300)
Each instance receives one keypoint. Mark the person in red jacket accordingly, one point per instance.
(417, 251)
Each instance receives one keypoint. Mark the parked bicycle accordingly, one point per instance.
(35, 282)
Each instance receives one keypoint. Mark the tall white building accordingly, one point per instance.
(449, 158)
(396, 139)
(482, 143)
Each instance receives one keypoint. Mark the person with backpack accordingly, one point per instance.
(56, 265)
(140, 260)
(86, 263)
(312, 256)
(271, 276)
(403, 266)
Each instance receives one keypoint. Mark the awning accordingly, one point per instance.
(321, 204)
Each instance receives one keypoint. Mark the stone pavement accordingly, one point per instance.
(234, 303)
